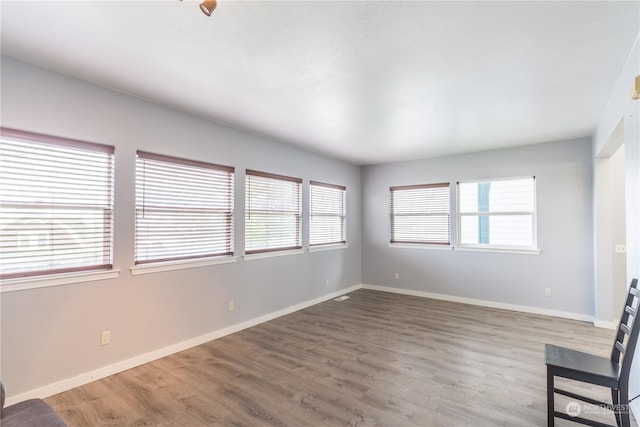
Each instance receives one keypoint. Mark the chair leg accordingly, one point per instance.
(624, 407)
(550, 397)
(615, 398)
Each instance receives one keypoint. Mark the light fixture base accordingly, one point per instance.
(635, 88)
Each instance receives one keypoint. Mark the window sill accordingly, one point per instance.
(527, 251)
(24, 283)
(420, 246)
(273, 254)
(158, 267)
(329, 247)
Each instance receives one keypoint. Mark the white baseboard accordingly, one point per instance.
(87, 377)
(483, 303)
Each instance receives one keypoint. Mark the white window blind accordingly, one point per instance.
(272, 212)
(327, 214)
(499, 213)
(184, 209)
(421, 214)
(56, 205)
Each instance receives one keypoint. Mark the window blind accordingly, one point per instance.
(272, 212)
(56, 204)
(497, 213)
(184, 209)
(421, 214)
(326, 214)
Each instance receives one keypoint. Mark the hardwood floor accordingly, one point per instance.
(376, 359)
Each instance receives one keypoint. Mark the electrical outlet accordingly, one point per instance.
(232, 305)
(621, 249)
(105, 338)
(547, 292)
(397, 276)
(326, 282)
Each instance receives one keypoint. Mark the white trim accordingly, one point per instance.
(420, 246)
(497, 249)
(96, 374)
(612, 324)
(157, 267)
(272, 254)
(483, 303)
(24, 283)
(329, 247)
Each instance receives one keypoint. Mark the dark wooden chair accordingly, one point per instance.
(612, 372)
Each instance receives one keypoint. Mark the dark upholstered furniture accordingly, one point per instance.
(610, 372)
(30, 413)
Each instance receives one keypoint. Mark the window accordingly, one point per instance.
(421, 214)
(184, 209)
(327, 214)
(56, 205)
(499, 213)
(272, 212)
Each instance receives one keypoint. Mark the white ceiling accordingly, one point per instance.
(365, 81)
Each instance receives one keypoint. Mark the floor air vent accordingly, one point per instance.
(342, 298)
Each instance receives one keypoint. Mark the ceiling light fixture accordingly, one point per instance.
(208, 6)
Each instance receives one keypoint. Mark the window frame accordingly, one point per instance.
(104, 189)
(272, 250)
(342, 215)
(496, 247)
(421, 243)
(196, 259)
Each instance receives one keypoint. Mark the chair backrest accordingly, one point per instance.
(624, 345)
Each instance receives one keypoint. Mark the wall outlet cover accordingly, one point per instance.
(105, 338)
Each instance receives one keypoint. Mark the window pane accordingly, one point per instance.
(272, 212)
(183, 209)
(422, 229)
(498, 213)
(503, 230)
(514, 195)
(468, 232)
(511, 230)
(420, 214)
(327, 214)
(56, 208)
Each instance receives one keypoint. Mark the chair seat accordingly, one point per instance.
(612, 372)
(578, 365)
(30, 413)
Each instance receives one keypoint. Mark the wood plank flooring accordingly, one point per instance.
(376, 359)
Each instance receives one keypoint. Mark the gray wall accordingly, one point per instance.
(563, 172)
(52, 334)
